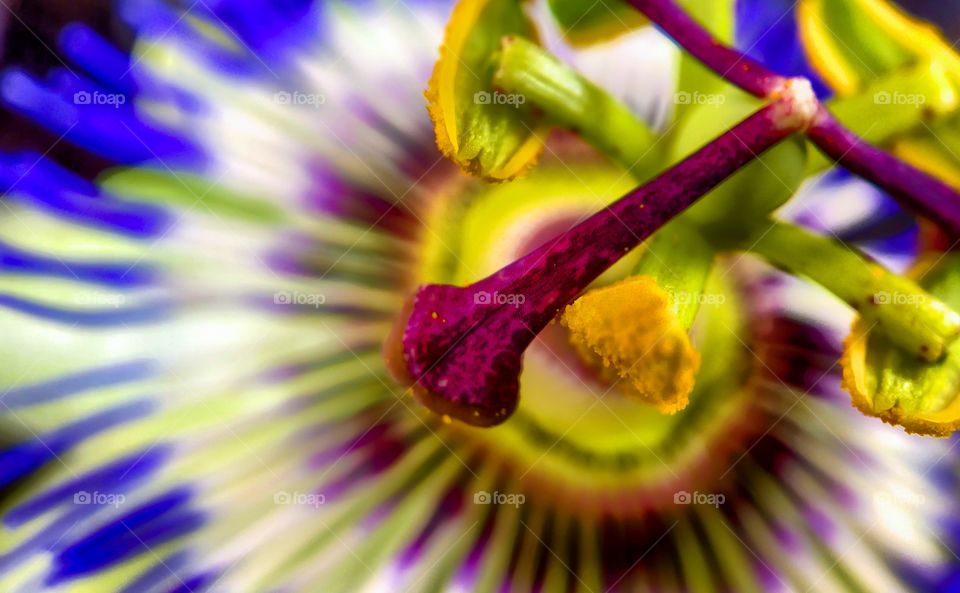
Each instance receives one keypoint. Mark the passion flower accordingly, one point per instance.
(194, 397)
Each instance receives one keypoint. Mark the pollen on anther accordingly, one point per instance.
(630, 327)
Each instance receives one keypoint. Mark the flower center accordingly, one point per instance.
(461, 348)
(577, 423)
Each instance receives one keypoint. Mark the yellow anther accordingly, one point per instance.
(922, 399)
(631, 327)
(823, 51)
(483, 138)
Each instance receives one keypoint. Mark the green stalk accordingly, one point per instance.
(574, 102)
(680, 259)
(913, 319)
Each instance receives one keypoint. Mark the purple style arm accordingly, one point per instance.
(916, 190)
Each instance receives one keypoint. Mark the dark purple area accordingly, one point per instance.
(944, 13)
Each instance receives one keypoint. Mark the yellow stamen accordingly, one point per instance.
(823, 47)
(822, 50)
(452, 126)
(853, 363)
(631, 327)
(863, 386)
(925, 39)
(440, 92)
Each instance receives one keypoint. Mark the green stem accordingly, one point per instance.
(575, 103)
(913, 319)
(680, 259)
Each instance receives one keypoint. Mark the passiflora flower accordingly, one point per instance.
(217, 348)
